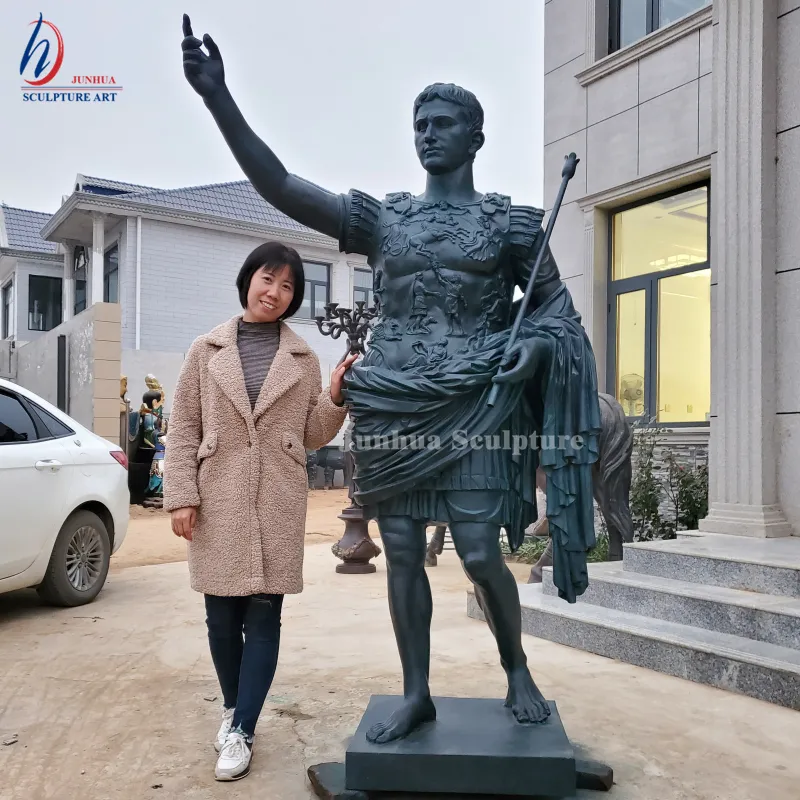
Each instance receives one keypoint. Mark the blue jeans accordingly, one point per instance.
(244, 636)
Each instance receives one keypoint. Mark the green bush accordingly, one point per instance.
(680, 487)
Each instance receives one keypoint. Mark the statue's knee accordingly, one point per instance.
(482, 566)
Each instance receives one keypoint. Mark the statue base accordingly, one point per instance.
(355, 548)
(474, 750)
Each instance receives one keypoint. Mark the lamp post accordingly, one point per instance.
(355, 548)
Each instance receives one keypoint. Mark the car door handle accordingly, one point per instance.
(48, 464)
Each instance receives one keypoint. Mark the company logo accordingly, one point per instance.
(40, 45)
(41, 62)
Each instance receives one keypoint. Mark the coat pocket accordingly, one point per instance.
(208, 446)
(293, 447)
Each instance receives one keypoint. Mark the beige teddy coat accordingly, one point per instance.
(245, 469)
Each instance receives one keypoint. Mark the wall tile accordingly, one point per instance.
(613, 94)
(669, 68)
(554, 163)
(611, 151)
(564, 33)
(668, 129)
(565, 101)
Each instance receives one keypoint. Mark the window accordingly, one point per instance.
(631, 20)
(80, 259)
(7, 309)
(47, 422)
(44, 303)
(317, 290)
(660, 309)
(362, 287)
(16, 425)
(111, 275)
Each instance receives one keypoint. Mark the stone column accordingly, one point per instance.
(69, 284)
(98, 251)
(743, 447)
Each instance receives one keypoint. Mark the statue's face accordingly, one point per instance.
(443, 137)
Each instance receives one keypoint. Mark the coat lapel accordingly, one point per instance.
(285, 372)
(225, 367)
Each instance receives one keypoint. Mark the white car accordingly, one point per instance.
(64, 501)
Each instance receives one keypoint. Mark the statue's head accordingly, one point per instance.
(448, 127)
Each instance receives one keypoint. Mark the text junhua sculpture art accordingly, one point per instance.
(460, 395)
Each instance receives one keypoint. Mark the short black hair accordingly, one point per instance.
(149, 398)
(273, 256)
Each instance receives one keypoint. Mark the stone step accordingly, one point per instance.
(757, 669)
(771, 566)
(764, 617)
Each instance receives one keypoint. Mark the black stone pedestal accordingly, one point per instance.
(474, 750)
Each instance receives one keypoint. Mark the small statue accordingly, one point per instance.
(123, 390)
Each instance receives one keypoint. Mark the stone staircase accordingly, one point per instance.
(720, 610)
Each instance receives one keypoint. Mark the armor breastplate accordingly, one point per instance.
(442, 281)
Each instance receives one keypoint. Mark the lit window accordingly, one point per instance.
(660, 309)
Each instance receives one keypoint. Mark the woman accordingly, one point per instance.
(249, 401)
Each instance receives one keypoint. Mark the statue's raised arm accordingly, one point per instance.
(302, 201)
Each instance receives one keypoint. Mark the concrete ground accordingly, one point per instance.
(118, 700)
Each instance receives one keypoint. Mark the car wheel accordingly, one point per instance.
(79, 563)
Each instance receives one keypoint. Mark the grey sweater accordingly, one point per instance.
(258, 342)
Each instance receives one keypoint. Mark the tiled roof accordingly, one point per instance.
(237, 200)
(23, 228)
(86, 183)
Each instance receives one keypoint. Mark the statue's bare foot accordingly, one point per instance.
(524, 699)
(410, 716)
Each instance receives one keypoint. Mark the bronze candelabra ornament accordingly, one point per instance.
(355, 548)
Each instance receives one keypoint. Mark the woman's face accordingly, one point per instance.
(269, 295)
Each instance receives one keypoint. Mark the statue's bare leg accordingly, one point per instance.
(478, 547)
(411, 609)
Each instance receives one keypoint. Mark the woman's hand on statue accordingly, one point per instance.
(337, 379)
(522, 362)
(205, 73)
(183, 522)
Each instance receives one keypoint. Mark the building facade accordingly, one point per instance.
(169, 258)
(676, 237)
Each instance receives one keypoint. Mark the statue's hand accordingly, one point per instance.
(523, 361)
(205, 73)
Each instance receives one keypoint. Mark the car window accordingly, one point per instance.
(56, 428)
(16, 424)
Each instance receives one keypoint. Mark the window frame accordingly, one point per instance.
(37, 425)
(79, 306)
(652, 21)
(7, 311)
(649, 283)
(108, 272)
(367, 291)
(312, 285)
(59, 306)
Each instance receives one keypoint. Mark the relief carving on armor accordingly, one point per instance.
(419, 321)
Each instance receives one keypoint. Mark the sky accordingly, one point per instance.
(328, 84)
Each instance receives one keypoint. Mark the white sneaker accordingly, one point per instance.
(224, 729)
(234, 758)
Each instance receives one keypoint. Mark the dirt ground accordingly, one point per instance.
(118, 700)
(150, 541)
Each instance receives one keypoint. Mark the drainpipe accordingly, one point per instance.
(138, 281)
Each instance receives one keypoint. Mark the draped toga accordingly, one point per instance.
(425, 442)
